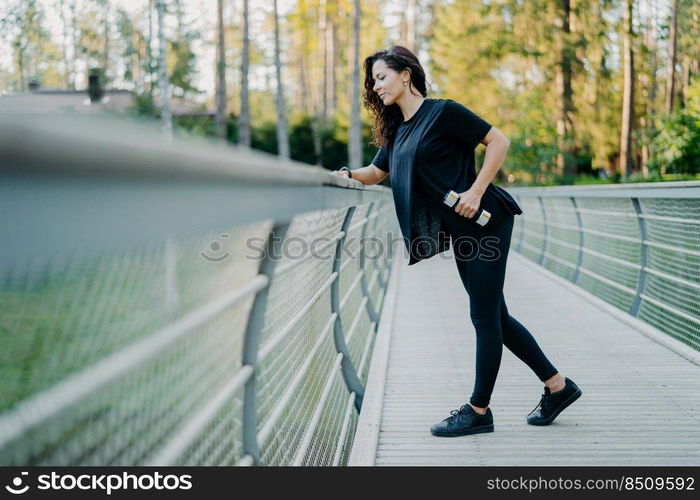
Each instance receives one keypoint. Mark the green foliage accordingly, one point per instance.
(143, 105)
(301, 142)
(198, 125)
(676, 146)
(264, 137)
(182, 67)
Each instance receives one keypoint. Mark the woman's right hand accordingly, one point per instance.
(341, 173)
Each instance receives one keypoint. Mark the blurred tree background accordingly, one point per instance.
(587, 91)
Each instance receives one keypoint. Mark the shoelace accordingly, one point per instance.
(543, 401)
(461, 411)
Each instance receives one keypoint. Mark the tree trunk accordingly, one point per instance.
(221, 121)
(321, 104)
(565, 129)
(626, 153)
(411, 18)
(105, 53)
(685, 82)
(151, 65)
(304, 90)
(673, 45)
(355, 143)
(329, 57)
(68, 75)
(650, 89)
(244, 118)
(164, 84)
(282, 133)
(74, 39)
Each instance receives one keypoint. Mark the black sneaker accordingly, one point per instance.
(464, 421)
(553, 403)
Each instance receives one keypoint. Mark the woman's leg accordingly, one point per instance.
(520, 341)
(481, 260)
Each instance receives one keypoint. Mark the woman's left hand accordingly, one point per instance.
(468, 203)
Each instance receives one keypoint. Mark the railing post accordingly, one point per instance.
(579, 258)
(644, 259)
(251, 344)
(352, 381)
(544, 237)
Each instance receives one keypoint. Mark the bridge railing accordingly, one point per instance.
(184, 304)
(636, 246)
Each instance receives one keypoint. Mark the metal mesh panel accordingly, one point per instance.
(611, 230)
(289, 294)
(533, 229)
(141, 323)
(220, 443)
(112, 306)
(355, 325)
(343, 453)
(562, 238)
(354, 315)
(673, 268)
(363, 366)
(328, 432)
(281, 446)
(294, 374)
(643, 259)
(182, 402)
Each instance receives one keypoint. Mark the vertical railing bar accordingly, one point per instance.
(363, 278)
(546, 231)
(644, 259)
(251, 342)
(350, 377)
(579, 258)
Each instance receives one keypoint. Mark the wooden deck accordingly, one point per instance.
(640, 398)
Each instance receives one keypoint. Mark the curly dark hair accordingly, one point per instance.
(386, 119)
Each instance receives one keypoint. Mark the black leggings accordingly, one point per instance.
(481, 254)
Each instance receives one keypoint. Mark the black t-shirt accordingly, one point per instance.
(445, 156)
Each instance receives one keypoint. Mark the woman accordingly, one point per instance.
(427, 146)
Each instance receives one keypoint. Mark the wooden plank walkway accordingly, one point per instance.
(639, 403)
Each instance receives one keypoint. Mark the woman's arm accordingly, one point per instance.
(496, 148)
(368, 175)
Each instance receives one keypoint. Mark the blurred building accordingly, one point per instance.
(92, 100)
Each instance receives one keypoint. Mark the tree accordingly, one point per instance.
(244, 135)
(221, 114)
(164, 84)
(65, 7)
(282, 132)
(673, 45)
(24, 25)
(355, 142)
(182, 58)
(626, 152)
(565, 125)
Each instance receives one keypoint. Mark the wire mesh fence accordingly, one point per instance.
(149, 330)
(635, 246)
